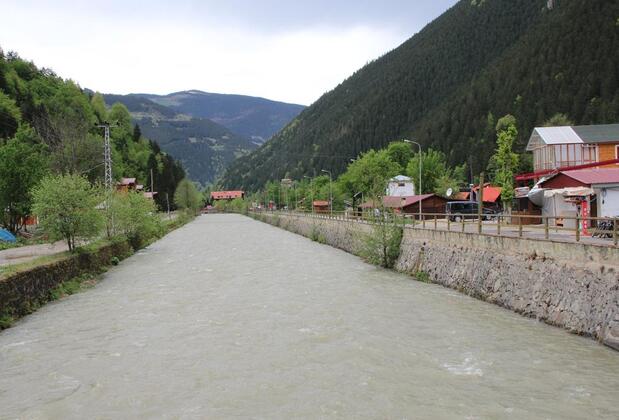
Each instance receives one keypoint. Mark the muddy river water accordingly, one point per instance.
(231, 318)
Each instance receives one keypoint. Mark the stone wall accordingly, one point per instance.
(23, 292)
(570, 285)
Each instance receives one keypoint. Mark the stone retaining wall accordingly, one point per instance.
(23, 292)
(573, 286)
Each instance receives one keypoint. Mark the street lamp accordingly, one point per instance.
(312, 189)
(420, 163)
(330, 191)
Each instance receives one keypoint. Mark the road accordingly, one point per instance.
(27, 253)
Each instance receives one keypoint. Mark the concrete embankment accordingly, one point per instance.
(570, 285)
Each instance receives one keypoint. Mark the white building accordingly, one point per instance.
(400, 186)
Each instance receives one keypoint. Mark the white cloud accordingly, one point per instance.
(162, 56)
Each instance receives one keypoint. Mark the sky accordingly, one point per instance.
(286, 50)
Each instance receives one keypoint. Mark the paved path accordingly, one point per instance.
(535, 232)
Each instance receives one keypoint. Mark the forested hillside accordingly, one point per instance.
(50, 125)
(447, 86)
(204, 147)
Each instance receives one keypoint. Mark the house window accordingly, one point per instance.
(401, 184)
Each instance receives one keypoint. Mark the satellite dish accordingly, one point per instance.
(449, 192)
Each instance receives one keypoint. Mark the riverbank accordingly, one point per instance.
(569, 285)
(24, 288)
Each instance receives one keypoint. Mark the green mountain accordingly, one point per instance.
(207, 131)
(51, 125)
(204, 147)
(447, 86)
(256, 118)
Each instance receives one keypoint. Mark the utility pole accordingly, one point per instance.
(311, 180)
(420, 165)
(167, 199)
(107, 163)
(480, 203)
(330, 191)
(107, 155)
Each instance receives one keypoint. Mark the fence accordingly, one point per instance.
(594, 230)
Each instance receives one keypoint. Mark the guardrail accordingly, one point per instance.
(597, 230)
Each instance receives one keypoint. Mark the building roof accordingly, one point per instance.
(604, 133)
(226, 195)
(491, 193)
(127, 181)
(321, 203)
(400, 178)
(462, 196)
(584, 134)
(399, 202)
(595, 176)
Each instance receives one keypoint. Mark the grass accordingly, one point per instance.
(9, 270)
(73, 286)
(37, 238)
(6, 321)
(423, 276)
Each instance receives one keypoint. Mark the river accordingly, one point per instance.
(228, 317)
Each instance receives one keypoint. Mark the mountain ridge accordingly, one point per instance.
(255, 117)
(205, 147)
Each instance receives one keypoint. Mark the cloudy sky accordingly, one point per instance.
(286, 50)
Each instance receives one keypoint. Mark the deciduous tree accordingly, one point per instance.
(505, 161)
(187, 197)
(22, 165)
(67, 208)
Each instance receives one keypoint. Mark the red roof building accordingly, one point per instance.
(321, 206)
(491, 194)
(227, 195)
(582, 178)
(430, 203)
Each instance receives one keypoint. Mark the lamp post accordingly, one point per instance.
(312, 189)
(330, 191)
(420, 163)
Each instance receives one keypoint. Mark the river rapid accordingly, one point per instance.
(231, 318)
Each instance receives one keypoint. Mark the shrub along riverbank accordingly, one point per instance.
(26, 287)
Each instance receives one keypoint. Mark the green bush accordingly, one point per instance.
(135, 217)
(6, 321)
(317, 236)
(423, 276)
(382, 246)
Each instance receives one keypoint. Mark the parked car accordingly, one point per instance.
(459, 210)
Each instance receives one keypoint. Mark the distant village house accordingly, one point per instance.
(227, 195)
(400, 186)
